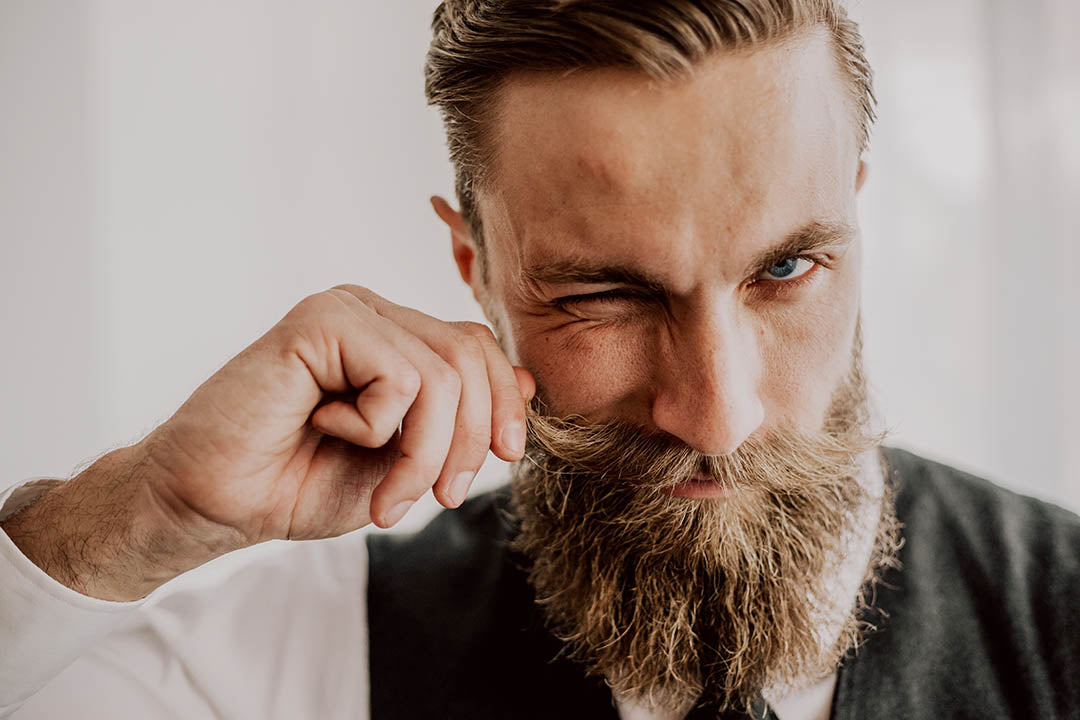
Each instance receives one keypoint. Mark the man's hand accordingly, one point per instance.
(345, 412)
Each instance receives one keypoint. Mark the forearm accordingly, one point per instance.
(106, 535)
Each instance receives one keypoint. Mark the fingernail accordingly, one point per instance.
(394, 514)
(513, 438)
(459, 487)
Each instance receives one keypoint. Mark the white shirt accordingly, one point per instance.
(274, 631)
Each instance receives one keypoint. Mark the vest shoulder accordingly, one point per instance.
(988, 579)
(973, 512)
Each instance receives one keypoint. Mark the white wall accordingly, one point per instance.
(971, 225)
(175, 175)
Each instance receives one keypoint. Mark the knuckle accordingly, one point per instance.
(353, 295)
(315, 304)
(323, 309)
(344, 298)
(382, 429)
(354, 290)
(475, 330)
(405, 380)
(466, 349)
(339, 295)
(305, 326)
(447, 378)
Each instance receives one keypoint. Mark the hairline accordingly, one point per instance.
(484, 177)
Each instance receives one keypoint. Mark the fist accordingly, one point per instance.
(345, 412)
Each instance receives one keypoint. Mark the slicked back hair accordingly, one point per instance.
(478, 44)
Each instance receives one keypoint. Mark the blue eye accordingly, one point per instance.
(784, 268)
(788, 269)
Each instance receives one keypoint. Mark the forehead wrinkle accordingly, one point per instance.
(722, 178)
(605, 149)
(568, 272)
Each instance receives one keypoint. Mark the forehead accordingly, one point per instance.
(748, 146)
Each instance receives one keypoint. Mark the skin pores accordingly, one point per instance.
(604, 178)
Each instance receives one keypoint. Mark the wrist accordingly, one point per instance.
(104, 534)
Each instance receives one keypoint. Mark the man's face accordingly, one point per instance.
(678, 264)
(684, 255)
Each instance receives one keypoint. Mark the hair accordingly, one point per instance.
(478, 44)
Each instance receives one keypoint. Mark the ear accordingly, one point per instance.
(860, 175)
(460, 238)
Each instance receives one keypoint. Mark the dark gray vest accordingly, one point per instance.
(982, 620)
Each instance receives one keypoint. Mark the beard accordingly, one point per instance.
(670, 598)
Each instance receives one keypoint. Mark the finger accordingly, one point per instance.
(466, 347)
(507, 404)
(426, 433)
(428, 427)
(462, 346)
(472, 432)
(343, 420)
(387, 380)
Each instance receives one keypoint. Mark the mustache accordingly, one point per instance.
(642, 459)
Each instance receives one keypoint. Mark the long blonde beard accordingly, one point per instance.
(671, 599)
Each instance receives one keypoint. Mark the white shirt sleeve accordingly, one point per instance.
(44, 625)
(274, 631)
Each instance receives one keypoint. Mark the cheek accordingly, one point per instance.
(590, 371)
(805, 357)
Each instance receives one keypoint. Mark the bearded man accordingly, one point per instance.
(657, 215)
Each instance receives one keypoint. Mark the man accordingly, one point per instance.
(658, 218)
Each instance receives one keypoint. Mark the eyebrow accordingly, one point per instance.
(569, 272)
(814, 236)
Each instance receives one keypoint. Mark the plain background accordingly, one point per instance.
(174, 176)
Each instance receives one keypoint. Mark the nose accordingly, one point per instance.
(706, 382)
